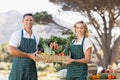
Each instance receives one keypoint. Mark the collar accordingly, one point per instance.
(27, 35)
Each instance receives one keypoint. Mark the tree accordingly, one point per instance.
(42, 17)
(45, 18)
(108, 12)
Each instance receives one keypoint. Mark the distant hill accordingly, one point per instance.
(9, 22)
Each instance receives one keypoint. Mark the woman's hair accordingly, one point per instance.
(84, 25)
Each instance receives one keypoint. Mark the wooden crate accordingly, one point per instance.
(92, 69)
(52, 58)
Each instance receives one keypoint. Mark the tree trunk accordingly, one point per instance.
(115, 49)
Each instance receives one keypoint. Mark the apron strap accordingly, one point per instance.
(21, 34)
(35, 38)
(73, 41)
(83, 41)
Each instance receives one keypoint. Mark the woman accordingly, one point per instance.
(81, 49)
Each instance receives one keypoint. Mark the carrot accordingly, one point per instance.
(51, 45)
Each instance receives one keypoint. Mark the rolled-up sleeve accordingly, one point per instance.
(15, 40)
(87, 44)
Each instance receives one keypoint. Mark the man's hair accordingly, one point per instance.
(27, 14)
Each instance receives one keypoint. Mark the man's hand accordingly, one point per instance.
(33, 57)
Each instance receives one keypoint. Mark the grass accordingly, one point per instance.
(46, 71)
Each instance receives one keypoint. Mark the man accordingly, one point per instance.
(22, 46)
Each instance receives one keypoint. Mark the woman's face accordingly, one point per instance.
(79, 29)
(28, 21)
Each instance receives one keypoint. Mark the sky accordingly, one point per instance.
(33, 6)
(25, 6)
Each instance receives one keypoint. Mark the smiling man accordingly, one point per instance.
(22, 46)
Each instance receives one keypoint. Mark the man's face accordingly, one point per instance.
(28, 21)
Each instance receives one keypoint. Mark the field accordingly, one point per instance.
(45, 71)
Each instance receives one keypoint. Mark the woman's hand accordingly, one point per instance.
(68, 61)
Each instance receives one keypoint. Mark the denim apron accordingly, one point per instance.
(24, 68)
(77, 71)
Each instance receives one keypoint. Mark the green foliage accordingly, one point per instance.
(59, 40)
(47, 49)
(42, 17)
(41, 40)
(4, 55)
(62, 42)
(70, 38)
(103, 76)
(60, 50)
